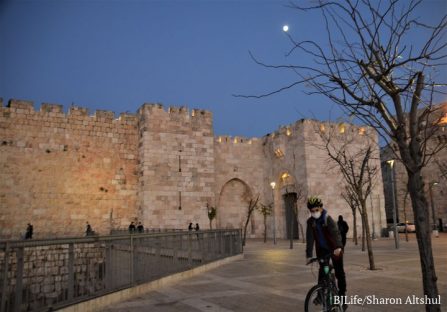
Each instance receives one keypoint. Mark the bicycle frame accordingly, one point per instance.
(327, 284)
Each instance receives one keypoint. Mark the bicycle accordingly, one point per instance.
(321, 297)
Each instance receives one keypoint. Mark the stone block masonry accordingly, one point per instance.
(162, 166)
(45, 273)
(59, 171)
(176, 166)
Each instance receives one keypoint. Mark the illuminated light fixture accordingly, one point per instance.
(288, 132)
(273, 184)
(362, 131)
(322, 128)
(390, 162)
(235, 140)
(443, 120)
(341, 128)
(193, 113)
(279, 153)
(219, 140)
(284, 176)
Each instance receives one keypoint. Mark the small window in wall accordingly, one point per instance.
(279, 153)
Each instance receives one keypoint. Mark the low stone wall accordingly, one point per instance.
(45, 272)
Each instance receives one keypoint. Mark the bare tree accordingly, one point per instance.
(371, 67)
(265, 210)
(354, 157)
(252, 204)
(351, 200)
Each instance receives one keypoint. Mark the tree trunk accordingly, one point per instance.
(363, 232)
(265, 228)
(367, 236)
(302, 232)
(354, 212)
(423, 235)
(405, 215)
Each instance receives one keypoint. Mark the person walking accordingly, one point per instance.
(343, 227)
(190, 227)
(197, 227)
(132, 227)
(322, 231)
(88, 230)
(29, 231)
(140, 228)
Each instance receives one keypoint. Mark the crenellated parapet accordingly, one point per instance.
(173, 112)
(224, 139)
(17, 108)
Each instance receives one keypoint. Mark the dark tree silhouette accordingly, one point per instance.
(356, 163)
(371, 66)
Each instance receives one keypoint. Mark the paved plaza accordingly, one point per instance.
(275, 278)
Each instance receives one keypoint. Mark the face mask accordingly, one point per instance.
(316, 215)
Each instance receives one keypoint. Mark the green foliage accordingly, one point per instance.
(212, 211)
(265, 210)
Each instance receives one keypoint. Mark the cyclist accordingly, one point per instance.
(323, 230)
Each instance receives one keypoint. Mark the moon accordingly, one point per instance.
(285, 28)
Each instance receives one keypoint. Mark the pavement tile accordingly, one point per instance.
(274, 278)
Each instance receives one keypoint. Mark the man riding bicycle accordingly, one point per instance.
(323, 230)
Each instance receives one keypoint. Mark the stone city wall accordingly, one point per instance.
(160, 166)
(176, 166)
(434, 176)
(324, 176)
(59, 170)
(240, 177)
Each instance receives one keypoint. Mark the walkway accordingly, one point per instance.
(274, 278)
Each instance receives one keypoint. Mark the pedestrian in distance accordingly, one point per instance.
(322, 231)
(140, 228)
(197, 227)
(131, 227)
(343, 227)
(29, 231)
(190, 227)
(88, 231)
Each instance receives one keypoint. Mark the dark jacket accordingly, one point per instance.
(330, 231)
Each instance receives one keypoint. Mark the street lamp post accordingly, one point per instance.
(273, 184)
(430, 186)
(396, 238)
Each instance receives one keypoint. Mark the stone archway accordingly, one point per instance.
(233, 202)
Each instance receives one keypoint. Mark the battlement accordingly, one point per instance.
(158, 109)
(235, 140)
(27, 107)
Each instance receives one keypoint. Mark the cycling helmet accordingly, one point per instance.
(313, 202)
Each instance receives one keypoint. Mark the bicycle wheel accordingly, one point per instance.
(331, 302)
(321, 298)
(315, 299)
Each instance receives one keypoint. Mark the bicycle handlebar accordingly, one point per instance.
(321, 260)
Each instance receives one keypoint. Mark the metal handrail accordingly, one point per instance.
(73, 269)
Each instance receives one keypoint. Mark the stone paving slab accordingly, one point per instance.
(275, 278)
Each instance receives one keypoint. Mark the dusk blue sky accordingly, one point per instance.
(116, 55)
